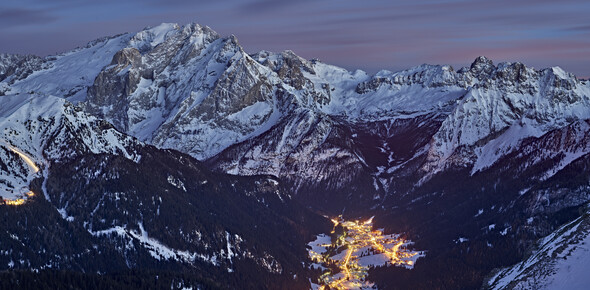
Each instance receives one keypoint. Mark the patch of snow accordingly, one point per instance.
(158, 250)
(560, 73)
(64, 214)
(504, 144)
(461, 240)
(318, 245)
(522, 192)
(566, 160)
(176, 182)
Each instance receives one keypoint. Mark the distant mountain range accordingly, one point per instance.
(172, 152)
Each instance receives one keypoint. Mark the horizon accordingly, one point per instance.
(374, 36)
(466, 64)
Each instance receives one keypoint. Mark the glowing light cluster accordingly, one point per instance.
(347, 251)
(17, 201)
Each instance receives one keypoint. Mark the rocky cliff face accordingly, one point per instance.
(512, 102)
(184, 88)
(17, 67)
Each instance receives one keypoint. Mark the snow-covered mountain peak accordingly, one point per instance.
(15, 67)
(171, 35)
(276, 61)
(411, 92)
(515, 76)
(499, 111)
(560, 73)
(48, 127)
(426, 75)
(289, 67)
(183, 79)
(482, 64)
(152, 36)
(512, 73)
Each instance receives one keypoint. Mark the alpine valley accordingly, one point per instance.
(171, 158)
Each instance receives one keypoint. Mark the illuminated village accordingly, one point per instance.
(346, 258)
(19, 201)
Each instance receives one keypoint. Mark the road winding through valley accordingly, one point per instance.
(33, 170)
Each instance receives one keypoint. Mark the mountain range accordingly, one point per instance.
(172, 152)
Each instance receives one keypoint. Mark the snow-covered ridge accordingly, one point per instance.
(68, 75)
(513, 103)
(560, 262)
(47, 129)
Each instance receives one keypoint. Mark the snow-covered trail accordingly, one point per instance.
(34, 168)
(25, 193)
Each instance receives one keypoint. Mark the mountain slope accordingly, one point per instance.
(39, 130)
(559, 262)
(106, 193)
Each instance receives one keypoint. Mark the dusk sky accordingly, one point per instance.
(369, 35)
